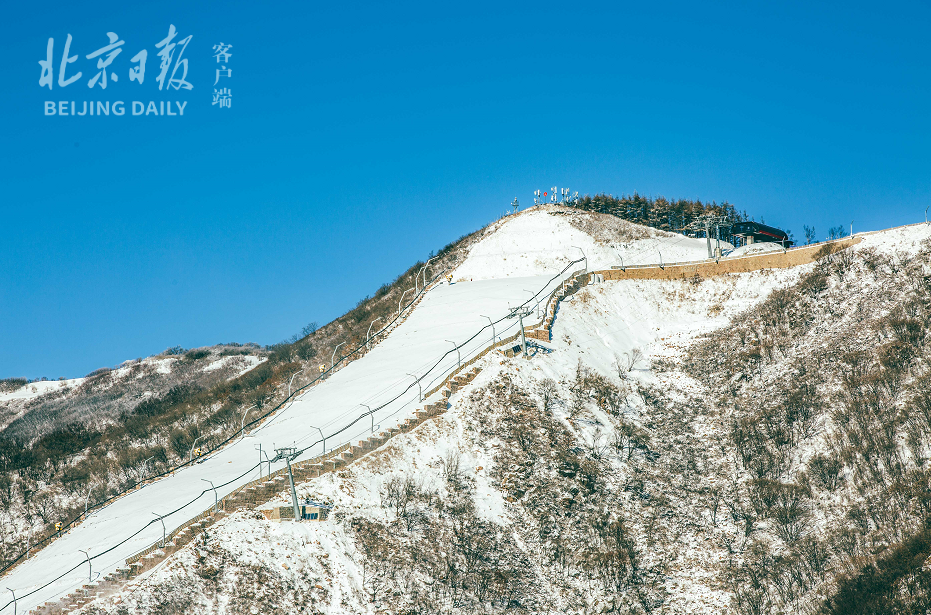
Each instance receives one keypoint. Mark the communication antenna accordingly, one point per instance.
(515, 204)
(553, 195)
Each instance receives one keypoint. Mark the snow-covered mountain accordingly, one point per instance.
(36, 408)
(666, 449)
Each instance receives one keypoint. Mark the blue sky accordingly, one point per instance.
(363, 136)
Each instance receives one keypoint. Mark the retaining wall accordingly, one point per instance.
(741, 264)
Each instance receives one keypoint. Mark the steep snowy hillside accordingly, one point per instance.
(826, 393)
(747, 443)
(549, 486)
(447, 327)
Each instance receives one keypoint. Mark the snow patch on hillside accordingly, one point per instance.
(163, 366)
(756, 248)
(537, 242)
(312, 560)
(241, 363)
(906, 239)
(35, 389)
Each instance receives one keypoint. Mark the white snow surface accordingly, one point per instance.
(539, 241)
(243, 362)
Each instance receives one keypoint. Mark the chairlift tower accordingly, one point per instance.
(288, 454)
(706, 223)
(520, 312)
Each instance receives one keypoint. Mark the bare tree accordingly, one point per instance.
(626, 440)
(379, 550)
(579, 388)
(597, 447)
(632, 358)
(549, 391)
(809, 235)
(837, 232)
(452, 467)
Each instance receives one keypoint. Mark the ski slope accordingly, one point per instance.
(513, 264)
(447, 312)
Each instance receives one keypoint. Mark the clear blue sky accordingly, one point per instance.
(361, 137)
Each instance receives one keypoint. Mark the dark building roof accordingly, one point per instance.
(761, 232)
